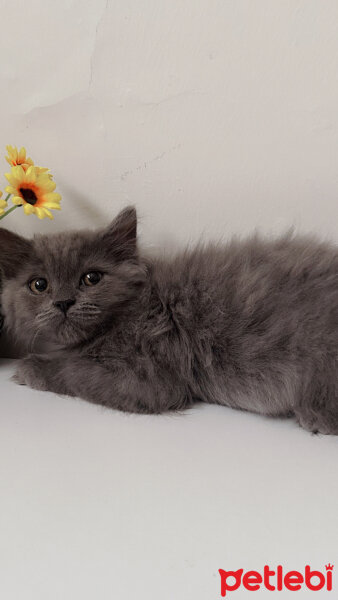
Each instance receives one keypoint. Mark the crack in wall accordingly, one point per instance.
(145, 164)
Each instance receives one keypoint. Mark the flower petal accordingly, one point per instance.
(53, 205)
(18, 172)
(39, 212)
(46, 184)
(48, 213)
(31, 175)
(11, 190)
(28, 209)
(17, 200)
(12, 180)
(52, 197)
(22, 154)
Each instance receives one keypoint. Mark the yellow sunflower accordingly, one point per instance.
(18, 158)
(33, 190)
(3, 205)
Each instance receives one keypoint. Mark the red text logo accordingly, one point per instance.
(276, 579)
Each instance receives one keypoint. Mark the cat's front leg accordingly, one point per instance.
(41, 372)
(120, 388)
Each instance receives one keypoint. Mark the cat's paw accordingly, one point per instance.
(327, 424)
(32, 371)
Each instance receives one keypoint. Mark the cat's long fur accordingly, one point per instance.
(252, 324)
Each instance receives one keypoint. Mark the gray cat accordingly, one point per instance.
(252, 324)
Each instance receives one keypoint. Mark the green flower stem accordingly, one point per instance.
(9, 210)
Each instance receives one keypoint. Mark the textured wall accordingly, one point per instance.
(212, 116)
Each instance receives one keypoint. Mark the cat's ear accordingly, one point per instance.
(121, 235)
(14, 251)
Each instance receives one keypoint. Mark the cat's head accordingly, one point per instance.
(65, 287)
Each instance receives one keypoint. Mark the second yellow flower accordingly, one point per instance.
(34, 190)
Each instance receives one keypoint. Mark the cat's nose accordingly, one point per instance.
(64, 305)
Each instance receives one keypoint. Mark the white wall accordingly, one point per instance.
(212, 116)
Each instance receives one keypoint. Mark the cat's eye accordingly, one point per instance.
(91, 278)
(38, 285)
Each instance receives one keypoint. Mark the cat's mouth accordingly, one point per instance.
(73, 328)
(68, 331)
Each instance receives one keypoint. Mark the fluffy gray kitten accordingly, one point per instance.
(252, 324)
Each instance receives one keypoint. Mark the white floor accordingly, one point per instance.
(95, 504)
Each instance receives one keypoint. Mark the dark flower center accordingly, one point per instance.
(28, 195)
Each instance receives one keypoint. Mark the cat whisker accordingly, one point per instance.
(77, 313)
(84, 314)
(42, 320)
(31, 345)
(43, 315)
(89, 305)
(82, 320)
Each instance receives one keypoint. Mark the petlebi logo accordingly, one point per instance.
(276, 579)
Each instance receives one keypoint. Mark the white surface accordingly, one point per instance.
(212, 116)
(99, 504)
